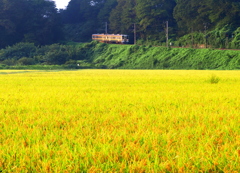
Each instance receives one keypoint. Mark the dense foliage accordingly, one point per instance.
(190, 22)
(112, 56)
(35, 21)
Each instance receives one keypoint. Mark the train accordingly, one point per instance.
(111, 38)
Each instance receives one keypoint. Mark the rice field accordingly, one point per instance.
(119, 121)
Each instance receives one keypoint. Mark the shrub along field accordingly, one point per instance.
(119, 121)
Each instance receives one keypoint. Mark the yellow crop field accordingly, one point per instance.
(120, 121)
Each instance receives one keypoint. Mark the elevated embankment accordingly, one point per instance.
(150, 57)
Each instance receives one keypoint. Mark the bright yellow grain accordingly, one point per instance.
(119, 121)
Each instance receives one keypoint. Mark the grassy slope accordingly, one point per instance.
(148, 57)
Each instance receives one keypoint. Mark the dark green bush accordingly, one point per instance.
(26, 61)
(3, 66)
(214, 79)
(18, 51)
(9, 62)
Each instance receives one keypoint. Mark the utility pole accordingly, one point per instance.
(226, 42)
(167, 34)
(205, 33)
(135, 35)
(192, 38)
(106, 27)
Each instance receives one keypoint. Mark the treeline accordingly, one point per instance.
(191, 23)
(35, 21)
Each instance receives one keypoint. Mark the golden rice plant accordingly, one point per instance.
(119, 121)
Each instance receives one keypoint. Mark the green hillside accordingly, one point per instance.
(150, 57)
(113, 56)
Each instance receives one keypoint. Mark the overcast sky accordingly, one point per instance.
(61, 3)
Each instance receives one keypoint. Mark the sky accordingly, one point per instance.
(61, 3)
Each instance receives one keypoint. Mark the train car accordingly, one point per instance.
(111, 38)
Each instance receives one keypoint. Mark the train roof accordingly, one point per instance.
(112, 34)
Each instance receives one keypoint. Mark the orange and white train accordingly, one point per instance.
(111, 38)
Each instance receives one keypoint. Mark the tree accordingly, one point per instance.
(122, 17)
(104, 13)
(33, 21)
(44, 25)
(192, 14)
(152, 16)
(11, 17)
(81, 18)
(148, 16)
